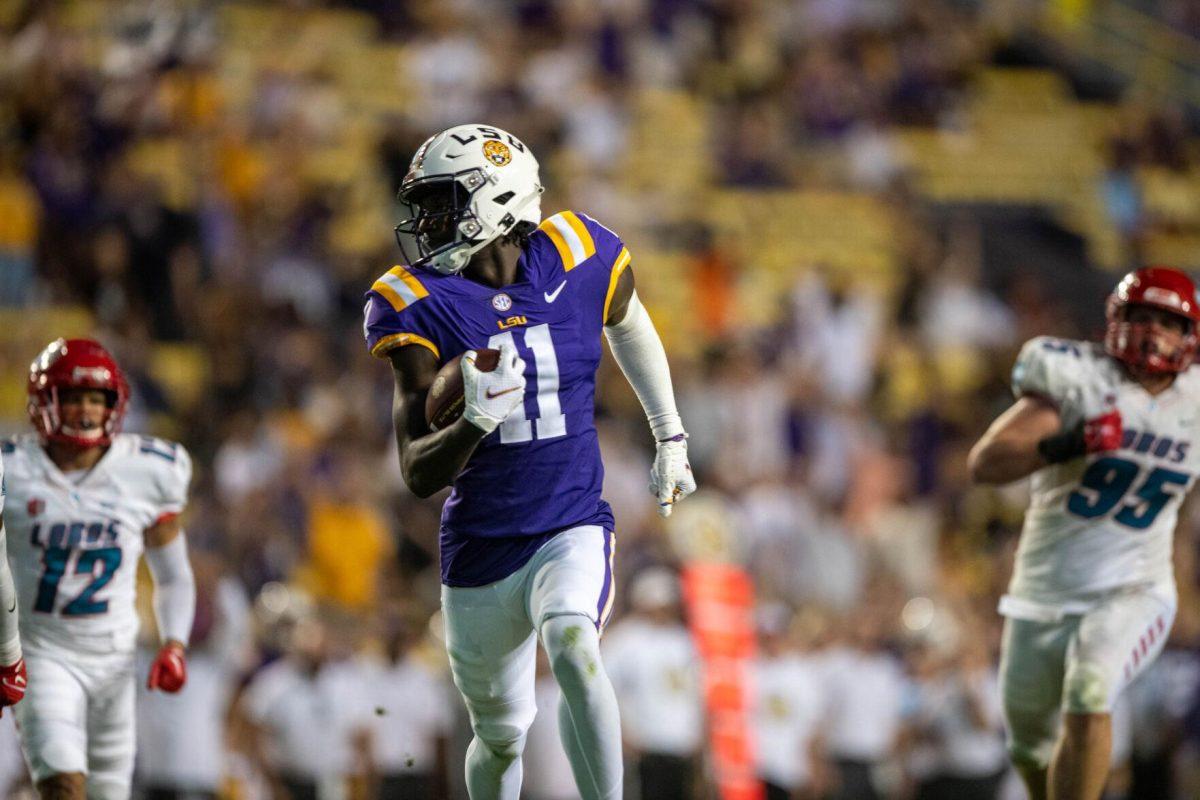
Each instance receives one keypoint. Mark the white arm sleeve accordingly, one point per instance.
(640, 355)
(174, 589)
(10, 640)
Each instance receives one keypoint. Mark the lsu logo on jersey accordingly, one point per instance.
(512, 322)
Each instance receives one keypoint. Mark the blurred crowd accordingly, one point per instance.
(211, 186)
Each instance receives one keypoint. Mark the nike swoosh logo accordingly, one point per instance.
(552, 296)
(493, 395)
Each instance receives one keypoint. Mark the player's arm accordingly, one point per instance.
(430, 461)
(639, 352)
(1009, 449)
(12, 663)
(1029, 436)
(174, 601)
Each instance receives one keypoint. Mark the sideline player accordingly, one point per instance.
(526, 541)
(1109, 433)
(83, 503)
(13, 680)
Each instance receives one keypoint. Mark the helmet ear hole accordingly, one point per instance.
(502, 199)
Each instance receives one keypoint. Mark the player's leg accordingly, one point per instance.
(52, 720)
(1032, 666)
(493, 650)
(1111, 646)
(63, 786)
(111, 735)
(1081, 761)
(589, 721)
(570, 598)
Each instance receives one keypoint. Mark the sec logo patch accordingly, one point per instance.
(497, 152)
(502, 302)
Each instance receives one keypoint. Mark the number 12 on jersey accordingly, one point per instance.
(55, 561)
(1105, 483)
(551, 422)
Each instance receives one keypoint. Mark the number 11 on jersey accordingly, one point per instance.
(550, 422)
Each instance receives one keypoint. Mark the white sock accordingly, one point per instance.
(588, 717)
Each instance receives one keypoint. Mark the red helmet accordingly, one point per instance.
(74, 364)
(1158, 287)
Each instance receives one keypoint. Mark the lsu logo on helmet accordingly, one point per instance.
(497, 152)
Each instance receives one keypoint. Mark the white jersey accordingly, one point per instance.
(74, 545)
(1104, 521)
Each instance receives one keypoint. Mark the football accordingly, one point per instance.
(444, 403)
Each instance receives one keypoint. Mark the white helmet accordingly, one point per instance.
(466, 186)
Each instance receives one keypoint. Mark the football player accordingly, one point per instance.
(84, 503)
(12, 665)
(1106, 433)
(526, 540)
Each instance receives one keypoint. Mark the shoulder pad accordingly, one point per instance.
(1048, 367)
(158, 448)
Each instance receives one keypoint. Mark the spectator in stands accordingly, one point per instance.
(957, 714)
(414, 714)
(865, 689)
(789, 709)
(654, 668)
(181, 742)
(309, 718)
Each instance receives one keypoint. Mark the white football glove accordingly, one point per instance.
(491, 396)
(671, 476)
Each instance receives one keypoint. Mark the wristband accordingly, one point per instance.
(1063, 446)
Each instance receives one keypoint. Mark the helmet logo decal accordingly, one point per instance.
(94, 374)
(502, 302)
(497, 152)
(1163, 297)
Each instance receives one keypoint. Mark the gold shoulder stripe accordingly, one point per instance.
(400, 287)
(581, 233)
(394, 340)
(560, 244)
(571, 238)
(623, 259)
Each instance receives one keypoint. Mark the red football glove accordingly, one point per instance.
(169, 670)
(1103, 433)
(12, 684)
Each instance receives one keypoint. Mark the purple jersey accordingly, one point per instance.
(539, 473)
